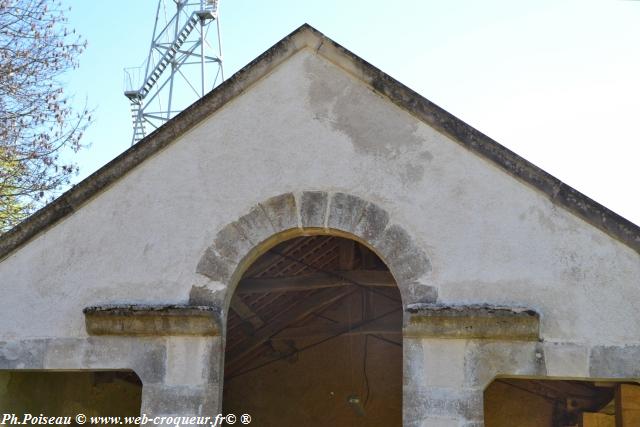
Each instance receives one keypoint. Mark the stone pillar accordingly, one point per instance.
(436, 390)
(191, 386)
(186, 382)
(451, 353)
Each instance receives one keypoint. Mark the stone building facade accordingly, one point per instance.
(503, 271)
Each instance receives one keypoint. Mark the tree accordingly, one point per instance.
(37, 120)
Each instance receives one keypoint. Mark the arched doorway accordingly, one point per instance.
(314, 337)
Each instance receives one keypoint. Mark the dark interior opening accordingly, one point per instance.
(314, 338)
(58, 393)
(561, 403)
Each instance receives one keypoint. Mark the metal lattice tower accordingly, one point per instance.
(181, 67)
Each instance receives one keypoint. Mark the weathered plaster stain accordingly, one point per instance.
(383, 134)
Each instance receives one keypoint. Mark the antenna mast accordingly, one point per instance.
(182, 64)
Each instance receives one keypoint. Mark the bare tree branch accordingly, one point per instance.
(37, 122)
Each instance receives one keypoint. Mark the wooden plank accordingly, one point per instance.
(381, 326)
(265, 262)
(628, 405)
(346, 254)
(590, 419)
(306, 282)
(532, 387)
(274, 256)
(367, 303)
(368, 259)
(245, 312)
(288, 317)
(571, 389)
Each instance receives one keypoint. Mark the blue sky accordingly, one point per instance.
(558, 82)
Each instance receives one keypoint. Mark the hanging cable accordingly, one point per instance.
(364, 370)
(300, 350)
(350, 341)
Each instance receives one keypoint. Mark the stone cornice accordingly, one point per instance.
(135, 320)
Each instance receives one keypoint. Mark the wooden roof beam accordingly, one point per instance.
(306, 282)
(288, 317)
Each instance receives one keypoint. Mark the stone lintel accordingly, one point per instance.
(138, 320)
(472, 322)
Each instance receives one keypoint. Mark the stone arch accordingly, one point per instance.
(288, 215)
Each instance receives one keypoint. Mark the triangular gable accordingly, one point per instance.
(306, 36)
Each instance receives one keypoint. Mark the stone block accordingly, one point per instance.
(145, 356)
(472, 322)
(411, 267)
(434, 402)
(230, 243)
(395, 243)
(256, 225)
(282, 211)
(215, 362)
(566, 360)
(24, 354)
(133, 320)
(188, 360)
(413, 363)
(202, 295)
(163, 399)
(615, 362)
(486, 360)
(215, 267)
(372, 224)
(313, 208)
(444, 362)
(345, 211)
(440, 422)
(406, 261)
(417, 293)
(65, 353)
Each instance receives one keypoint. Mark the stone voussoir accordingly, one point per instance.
(372, 224)
(411, 267)
(313, 208)
(407, 262)
(215, 267)
(202, 295)
(256, 225)
(395, 243)
(345, 211)
(231, 243)
(282, 211)
(416, 292)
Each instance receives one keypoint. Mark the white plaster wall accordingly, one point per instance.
(308, 125)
